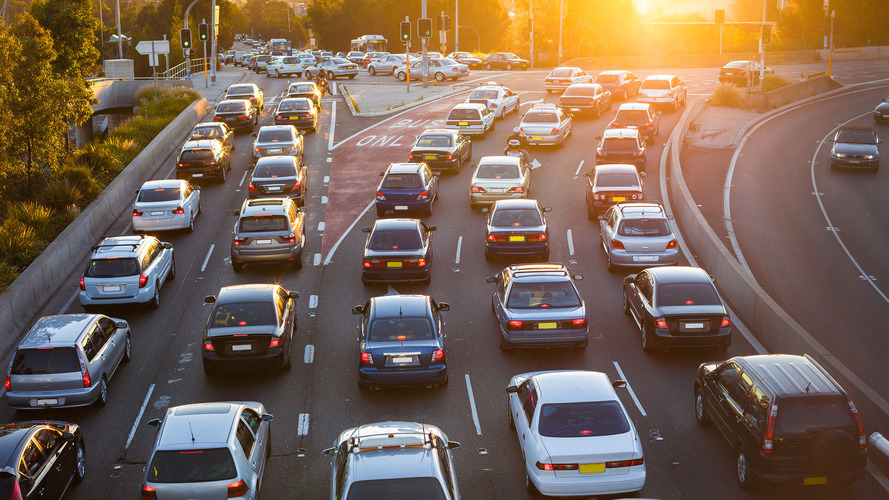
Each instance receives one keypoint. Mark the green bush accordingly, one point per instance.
(59, 194)
(19, 244)
(773, 82)
(727, 95)
(34, 215)
(83, 178)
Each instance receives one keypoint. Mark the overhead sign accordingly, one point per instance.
(160, 47)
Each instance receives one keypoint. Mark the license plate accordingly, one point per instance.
(618, 198)
(294, 118)
(516, 238)
(111, 288)
(273, 188)
(242, 347)
(497, 190)
(47, 402)
(274, 151)
(591, 468)
(158, 212)
(400, 207)
(393, 264)
(547, 326)
(694, 326)
(430, 157)
(575, 109)
(197, 175)
(402, 360)
(537, 138)
(462, 124)
(230, 118)
(645, 258)
(263, 242)
(815, 480)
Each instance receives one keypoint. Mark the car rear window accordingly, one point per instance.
(399, 329)
(231, 107)
(540, 118)
(620, 144)
(206, 133)
(112, 268)
(856, 136)
(45, 361)
(192, 466)
(274, 136)
(295, 105)
(497, 172)
(434, 141)
(159, 194)
(542, 295)
(586, 419)
(804, 414)
(656, 85)
(463, 114)
(289, 60)
(263, 58)
(687, 294)
(240, 89)
(340, 60)
(562, 72)
(636, 115)
(644, 227)
(263, 223)
(396, 239)
(427, 488)
(517, 217)
(196, 155)
(483, 94)
(607, 79)
(244, 314)
(617, 180)
(580, 91)
(302, 88)
(274, 170)
(402, 181)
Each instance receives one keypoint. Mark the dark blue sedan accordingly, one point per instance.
(401, 342)
(407, 187)
(516, 228)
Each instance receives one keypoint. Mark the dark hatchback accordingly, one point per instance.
(855, 147)
(397, 250)
(516, 228)
(214, 130)
(305, 89)
(442, 149)
(505, 60)
(406, 187)
(276, 176)
(585, 98)
(401, 342)
(299, 112)
(238, 114)
(42, 459)
(677, 307)
(621, 145)
(207, 158)
(250, 327)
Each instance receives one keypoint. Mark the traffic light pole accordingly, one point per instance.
(206, 80)
(187, 51)
(425, 42)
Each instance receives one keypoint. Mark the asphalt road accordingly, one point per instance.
(319, 397)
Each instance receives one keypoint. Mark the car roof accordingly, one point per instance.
(500, 160)
(11, 436)
(61, 329)
(118, 246)
(276, 160)
(392, 463)
(439, 131)
(620, 132)
(787, 374)
(258, 292)
(679, 274)
(163, 183)
(391, 306)
(470, 105)
(613, 72)
(516, 203)
(301, 99)
(197, 425)
(573, 386)
(735, 64)
(235, 101)
(404, 168)
(615, 168)
(288, 128)
(403, 223)
(542, 106)
(644, 106)
(659, 77)
(640, 210)
(199, 144)
(567, 67)
(213, 124)
(259, 206)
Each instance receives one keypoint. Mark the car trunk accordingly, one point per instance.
(539, 129)
(539, 321)
(241, 341)
(430, 155)
(577, 100)
(398, 356)
(157, 210)
(274, 186)
(693, 320)
(48, 369)
(112, 278)
(645, 243)
(590, 453)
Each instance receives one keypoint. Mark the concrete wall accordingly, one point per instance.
(119, 68)
(28, 294)
(797, 91)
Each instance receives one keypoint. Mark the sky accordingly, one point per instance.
(669, 7)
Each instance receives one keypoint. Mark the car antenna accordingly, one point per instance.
(807, 387)
(191, 431)
(399, 311)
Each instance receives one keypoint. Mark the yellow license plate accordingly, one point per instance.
(551, 326)
(537, 138)
(294, 118)
(429, 157)
(618, 198)
(815, 480)
(516, 238)
(393, 264)
(462, 124)
(591, 468)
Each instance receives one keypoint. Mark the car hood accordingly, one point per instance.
(691, 310)
(883, 107)
(855, 149)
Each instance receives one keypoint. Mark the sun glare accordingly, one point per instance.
(642, 6)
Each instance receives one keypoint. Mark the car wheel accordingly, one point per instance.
(745, 478)
(221, 177)
(518, 103)
(371, 71)
(190, 227)
(488, 67)
(647, 339)
(626, 304)
(401, 76)
(701, 415)
(362, 384)
(172, 274)
(457, 166)
(128, 349)
(608, 264)
(237, 267)
(287, 360)
(505, 345)
(207, 368)
(508, 67)
(509, 419)
(529, 485)
(79, 463)
(268, 74)
(298, 262)
(103, 393)
(155, 301)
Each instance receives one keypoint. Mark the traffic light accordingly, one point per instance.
(405, 31)
(424, 27)
(203, 32)
(447, 22)
(766, 34)
(185, 38)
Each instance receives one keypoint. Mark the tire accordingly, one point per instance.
(675, 105)
(742, 470)
(79, 463)
(298, 262)
(268, 74)
(155, 301)
(647, 340)
(701, 415)
(207, 369)
(508, 67)
(237, 267)
(371, 71)
(626, 304)
(439, 77)
(221, 177)
(287, 362)
(608, 264)
(128, 349)
(488, 67)
(401, 76)
(102, 400)
(833, 453)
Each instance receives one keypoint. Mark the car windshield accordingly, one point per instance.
(580, 90)
(395, 239)
(196, 155)
(644, 227)
(656, 84)
(607, 78)
(562, 72)
(112, 268)
(302, 88)
(434, 141)
(804, 414)
(400, 329)
(159, 194)
(263, 223)
(617, 180)
(45, 361)
(517, 217)
(274, 170)
(192, 466)
(463, 114)
(294, 105)
(230, 107)
(275, 135)
(427, 488)
(687, 294)
(206, 133)
(540, 118)
(510, 55)
(542, 295)
(497, 172)
(620, 144)
(483, 94)
(402, 181)
(586, 419)
(856, 136)
(244, 314)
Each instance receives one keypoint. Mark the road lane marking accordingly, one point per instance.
(478, 426)
(570, 243)
(326, 178)
(332, 129)
(459, 245)
(302, 428)
(316, 259)
(332, 88)
(329, 160)
(630, 389)
(207, 258)
(139, 417)
(242, 179)
(313, 301)
(321, 226)
(323, 200)
(577, 172)
(310, 354)
(69, 302)
(346, 233)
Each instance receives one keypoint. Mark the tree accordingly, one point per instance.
(72, 26)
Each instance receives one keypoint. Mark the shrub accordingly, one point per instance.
(35, 216)
(83, 179)
(99, 159)
(727, 95)
(59, 194)
(773, 82)
(19, 244)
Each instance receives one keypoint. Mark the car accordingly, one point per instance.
(440, 69)
(516, 228)
(406, 187)
(305, 89)
(203, 159)
(355, 57)
(538, 305)
(855, 147)
(387, 64)
(546, 124)
(505, 60)
(881, 112)
(261, 62)
(585, 97)
(576, 436)
(249, 60)
(268, 230)
(401, 342)
(277, 140)
(497, 98)
(563, 76)
(126, 270)
(66, 361)
(610, 184)
(214, 130)
(621, 145)
(283, 66)
(333, 68)
(788, 420)
(250, 327)
(207, 450)
(663, 89)
(397, 251)
(249, 91)
(326, 54)
(43, 459)
(393, 459)
(166, 204)
(239, 114)
(305, 59)
(499, 178)
(622, 84)
(638, 115)
(676, 307)
(276, 176)
(744, 73)
(239, 56)
(299, 112)
(442, 149)
(638, 234)
(372, 57)
(471, 119)
(465, 58)
(432, 54)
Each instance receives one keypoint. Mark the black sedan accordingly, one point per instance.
(42, 459)
(397, 250)
(677, 307)
(299, 112)
(855, 147)
(251, 326)
(516, 228)
(401, 342)
(305, 89)
(442, 149)
(276, 176)
(237, 114)
(505, 60)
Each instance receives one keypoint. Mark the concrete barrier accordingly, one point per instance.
(28, 294)
(796, 91)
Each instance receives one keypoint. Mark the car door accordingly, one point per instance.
(716, 391)
(523, 417)
(499, 295)
(606, 226)
(564, 122)
(115, 343)
(638, 297)
(38, 477)
(60, 461)
(252, 446)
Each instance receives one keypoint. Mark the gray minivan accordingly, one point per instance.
(66, 361)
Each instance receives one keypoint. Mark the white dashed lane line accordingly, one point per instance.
(302, 428)
(139, 417)
(577, 172)
(310, 354)
(313, 301)
(207, 258)
(630, 389)
(478, 426)
(570, 243)
(459, 245)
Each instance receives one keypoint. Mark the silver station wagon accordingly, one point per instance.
(638, 234)
(127, 270)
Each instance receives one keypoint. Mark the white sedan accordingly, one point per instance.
(575, 435)
(166, 204)
(498, 99)
(283, 66)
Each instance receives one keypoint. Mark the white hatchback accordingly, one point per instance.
(471, 119)
(166, 204)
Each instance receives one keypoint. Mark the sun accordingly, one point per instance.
(641, 6)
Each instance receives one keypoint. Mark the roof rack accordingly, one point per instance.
(390, 440)
(640, 207)
(109, 245)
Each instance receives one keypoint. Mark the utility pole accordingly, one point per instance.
(425, 42)
(119, 37)
(762, 51)
(531, 14)
(833, 15)
(214, 20)
(187, 51)
(456, 25)
(561, 15)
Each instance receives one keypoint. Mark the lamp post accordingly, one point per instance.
(119, 37)
(561, 15)
(531, 15)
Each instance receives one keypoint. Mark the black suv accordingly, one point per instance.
(788, 420)
(202, 159)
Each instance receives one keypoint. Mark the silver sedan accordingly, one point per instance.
(166, 204)
(333, 68)
(499, 178)
(546, 124)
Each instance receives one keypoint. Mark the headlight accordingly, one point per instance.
(870, 157)
(839, 155)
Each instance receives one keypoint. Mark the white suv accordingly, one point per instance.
(663, 89)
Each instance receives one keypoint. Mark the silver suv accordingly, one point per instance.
(638, 235)
(66, 361)
(268, 230)
(393, 460)
(663, 89)
(127, 270)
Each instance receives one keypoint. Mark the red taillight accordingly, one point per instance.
(492, 238)
(296, 187)
(515, 323)
(770, 430)
(411, 156)
(599, 152)
(421, 262)
(660, 323)
(137, 213)
(366, 358)
(237, 489)
(367, 263)
(242, 117)
(423, 195)
(179, 211)
(672, 244)
(82, 284)
(726, 321)
(560, 101)
(649, 124)
(8, 389)
(437, 355)
(148, 492)
(143, 280)
(623, 463)
(541, 238)
(256, 150)
(84, 371)
(449, 157)
(287, 239)
(275, 342)
(477, 189)
(381, 196)
(237, 241)
(251, 188)
(554, 131)
(215, 119)
(862, 437)
(617, 244)
(517, 189)
(578, 323)
(208, 345)
(613, 124)
(556, 466)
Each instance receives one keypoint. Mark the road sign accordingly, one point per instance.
(160, 47)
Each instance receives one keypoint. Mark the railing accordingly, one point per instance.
(178, 72)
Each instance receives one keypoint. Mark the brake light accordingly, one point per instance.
(137, 213)
(660, 323)
(275, 342)
(381, 196)
(541, 238)
(493, 105)
(256, 150)
(770, 430)
(251, 188)
(411, 156)
(517, 189)
(423, 195)
(242, 117)
(178, 211)
(617, 244)
(640, 153)
(623, 463)
(556, 466)
(296, 187)
(492, 238)
(215, 119)
(554, 131)
(7, 384)
(449, 157)
(515, 323)
(237, 489)
(143, 280)
(366, 358)
(672, 244)
(579, 322)
(180, 165)
(84, 371)
(726, 321)
(599, 152)
(649, 124)
(208, 345)
(437, 355)
(148, 492)
(862, 437)
(477, 189)
(82, 284)
(367, 263)
(613, 124)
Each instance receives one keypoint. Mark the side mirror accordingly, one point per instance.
(432, 228)
(358, 310)
(122, 324)
(236, 212)
(577, 277)
(302, 132)
(68, 436)
(712, 278)
(444, 306)
(547, 209)
(473, 165)
(588, 174)
(137, 191)
(168, 246)
(511, 389)
(486, 210)
(641, 174)
(365, 229)
(618, 384)
(267, 417)
(328, 453)
(382, 174)
(155, 422)
(197, 188)
(209, 299)
(491, 279)
(711, 375)
(293, 295)
(453, 445)
(253, 134)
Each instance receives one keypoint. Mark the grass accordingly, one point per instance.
(773, 82)
(729, 96)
